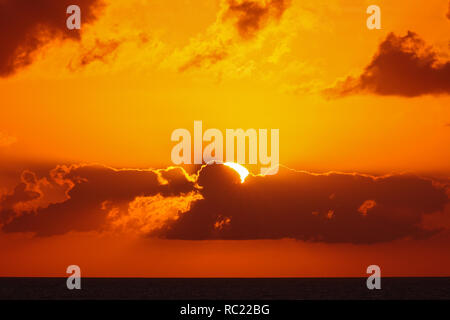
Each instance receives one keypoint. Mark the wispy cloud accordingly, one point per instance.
(237, 21)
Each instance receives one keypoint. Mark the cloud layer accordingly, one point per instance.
(170, 204)
(403, 66)
(25, 26)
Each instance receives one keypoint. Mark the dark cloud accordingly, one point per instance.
(403, 66)
(27, 25)
(250, 16)
(93, 187)
(333, 207)
(330, 208)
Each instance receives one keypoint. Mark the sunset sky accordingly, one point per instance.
(86, 175)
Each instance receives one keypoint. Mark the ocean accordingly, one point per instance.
(225, 289)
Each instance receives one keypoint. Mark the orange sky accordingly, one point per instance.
(142, 69)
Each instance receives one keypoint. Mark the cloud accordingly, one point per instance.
(214, 204)
(332, 207)
(250, 16)
(19, 195)
(25, 26)
(201, 58)
(94, 190)
(144, 215)
(403, 66)
(99, 51)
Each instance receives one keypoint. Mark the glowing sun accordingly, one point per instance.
(243, 172)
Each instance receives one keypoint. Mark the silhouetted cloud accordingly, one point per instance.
(27, 25)
(214, 204)
(251, 15)
(312, 207)
(403, 66)
(93, 190)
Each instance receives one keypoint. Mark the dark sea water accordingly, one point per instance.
(218, 288)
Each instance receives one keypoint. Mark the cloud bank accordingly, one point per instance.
(214, 204)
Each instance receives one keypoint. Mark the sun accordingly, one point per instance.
(243, 172)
